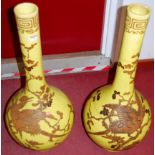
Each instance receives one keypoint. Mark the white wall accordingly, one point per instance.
(113, 26)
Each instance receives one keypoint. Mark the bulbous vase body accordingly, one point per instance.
(41, 119)
(117, 116)
(116, 120)
(38, 116)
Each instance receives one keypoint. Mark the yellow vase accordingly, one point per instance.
(116, 117)
(38, 117)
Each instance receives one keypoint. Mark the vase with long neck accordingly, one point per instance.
(117, 116)
(38, 116)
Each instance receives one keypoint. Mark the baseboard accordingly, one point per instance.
(59, 64)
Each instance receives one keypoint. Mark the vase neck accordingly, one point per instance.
(32, 58)
(135, 26)
(29, 36)
(128, 60)
(34, 72)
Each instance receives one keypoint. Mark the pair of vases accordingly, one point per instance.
(116, 117)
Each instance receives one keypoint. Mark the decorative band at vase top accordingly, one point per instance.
(27, 17)
(138, 11)
(135, 27)
(24, 10)
(137, 19)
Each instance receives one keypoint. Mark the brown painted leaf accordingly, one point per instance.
(136, 55)
(35, 64)
(131, 81)
(147, 111)
(104, 112)
(45, 97)
(68, 127)
(116, 92)
(25, 98)
(51, 95)
(94, 99)
(23, 56)
(70, 107)
(113, 146)
(60, 114)
(128, 72)
(29, 61)
(47, 90)
(38, 78)
(28, 68)
(89, 123)
(120, 65)
(33, 143)
(142, 98)
(31, 67)
(98, 96)
(98, 90)
(28, 48)
(113, 96)
(22, 44)
(88, 115)
(43, 88)
(134, 62)
(128, 66)
(52, 117)
(49, 103)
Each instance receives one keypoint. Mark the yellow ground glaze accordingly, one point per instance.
(116, 117)
(60, 103)
(38, 117)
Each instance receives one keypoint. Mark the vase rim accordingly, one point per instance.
(138, 11)
(26, 9)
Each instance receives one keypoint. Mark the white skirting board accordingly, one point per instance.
(59, 64)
